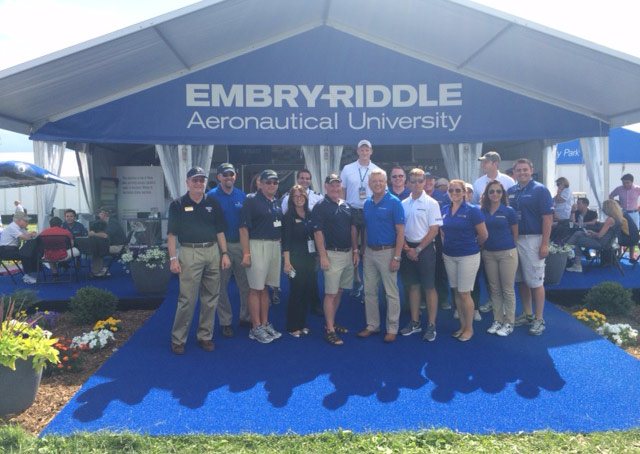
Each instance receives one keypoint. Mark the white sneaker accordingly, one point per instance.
(29, 279)
(537, 327)
(486, 307)
(495, 326)
(575, 268)
(476, 316)
(505, 330)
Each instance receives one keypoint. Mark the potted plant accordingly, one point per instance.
(149, 268)
(556, 262)
(25, 348)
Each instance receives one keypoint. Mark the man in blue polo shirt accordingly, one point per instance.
(231, 200)
(534, 206)
(384, 238)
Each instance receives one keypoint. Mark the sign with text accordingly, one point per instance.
(140, 189)
(569, 152)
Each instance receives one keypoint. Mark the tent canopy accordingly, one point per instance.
(447, 42)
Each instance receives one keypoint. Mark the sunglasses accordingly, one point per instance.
(397, 176)
(456, 190)
(271, 182)
(228, 174)
(416, 180)
(495, 191)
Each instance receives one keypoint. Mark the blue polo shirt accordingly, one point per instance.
(335, 221)
(380, 219)
(76, 229)
(403, 195)
(231, 207)
(262, 217)
(441, 197)
(460, 230)
(499, 228)
(531, 203)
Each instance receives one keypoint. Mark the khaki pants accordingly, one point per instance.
(376, 267)
(225, 315)
(500, 269)
(200, 271)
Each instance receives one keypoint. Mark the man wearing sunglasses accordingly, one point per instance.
(231, 200)
(260, 234)
(398, 181)
(490, 162)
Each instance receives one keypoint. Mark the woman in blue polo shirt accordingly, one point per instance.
(500, 256)
(463, 232)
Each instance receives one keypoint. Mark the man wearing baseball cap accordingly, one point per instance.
(231, 200)
(196, 222)
(10, 242)
(490, 162)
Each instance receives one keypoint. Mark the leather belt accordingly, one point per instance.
(337, 249)
(198, 245)
(380, 248)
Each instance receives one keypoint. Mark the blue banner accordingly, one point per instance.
(321, 87)
(569, 152)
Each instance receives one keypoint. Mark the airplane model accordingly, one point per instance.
(14, 174)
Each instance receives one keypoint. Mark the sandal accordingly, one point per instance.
(332, 338)
(340, 329)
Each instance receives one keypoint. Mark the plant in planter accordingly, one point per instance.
(149, 268)
(25, 348)
(556, 262)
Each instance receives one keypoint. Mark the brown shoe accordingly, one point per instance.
(227, 331)
(389, 337)
(206, 345)
(178, 349)
(366, 333)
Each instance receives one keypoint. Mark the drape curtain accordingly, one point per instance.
(461, 160)
(595, 152)
(84, 158)
(176, 161)
(49, 156)
(322, 160)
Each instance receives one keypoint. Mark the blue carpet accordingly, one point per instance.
(594, 275)
(568, 379)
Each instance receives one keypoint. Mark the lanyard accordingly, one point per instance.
(361, 176)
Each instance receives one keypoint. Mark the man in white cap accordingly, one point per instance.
(490, 162)
(356, 190)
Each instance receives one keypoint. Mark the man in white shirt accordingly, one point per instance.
(355, 190)
(418, 267)
(10, 243)
(303, 179)
(490, 162)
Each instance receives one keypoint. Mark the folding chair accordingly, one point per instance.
(10, 256)
(125, 247)
(57, 244)
(608, 255)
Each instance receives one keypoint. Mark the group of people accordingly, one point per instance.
(360, 219)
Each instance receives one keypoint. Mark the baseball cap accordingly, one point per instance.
(226, 167)
(268, 175)
(468, 187)
(493, 156)
(442, 181)
(21, 216)
(196, 172)
(332, 177)
(364, 142)
(428, 175)
(627, 176)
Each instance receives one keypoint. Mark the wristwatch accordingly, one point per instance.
(418, 249)
(397, 258)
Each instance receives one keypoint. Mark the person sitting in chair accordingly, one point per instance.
(10, 242)
(55, 250)
(109, 229)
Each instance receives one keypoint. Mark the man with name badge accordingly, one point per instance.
(260, 235)
(355, 190)
(335, 236)
(534, 205)
(197, 223)
(304, 179)
(418, 266)
(231, 200)
(384, 238)
(490, 162)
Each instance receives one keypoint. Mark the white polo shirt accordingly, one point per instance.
(419, 215)
(10, 235)
(481, 183)
(353, 177)
(313, 199)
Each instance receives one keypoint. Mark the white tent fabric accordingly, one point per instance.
(176, 161)
(85, 167)
(321, 161)
(461, 160)
(595, 151)
(49, 156)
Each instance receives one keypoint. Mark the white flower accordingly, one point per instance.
(95, 340)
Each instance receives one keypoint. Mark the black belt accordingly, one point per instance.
(198, 245)
(380, 248)
(338, 249)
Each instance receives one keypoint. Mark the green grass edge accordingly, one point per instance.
(14, 440)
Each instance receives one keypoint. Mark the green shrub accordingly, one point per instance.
(609, 298)
(92, 304)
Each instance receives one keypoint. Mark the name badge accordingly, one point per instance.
(188, 208)
(277, 223)
(298, 221)
(362, 192)
(312, 246)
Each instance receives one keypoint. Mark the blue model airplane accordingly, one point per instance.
(14, 174)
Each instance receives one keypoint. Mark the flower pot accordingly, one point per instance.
(150, 280)
(20, 387)
(555, 265)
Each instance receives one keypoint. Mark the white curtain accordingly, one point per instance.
(461, 160)
(87, 178)
(176, 161)
(322, 160)
(595, 152)
(49, 156)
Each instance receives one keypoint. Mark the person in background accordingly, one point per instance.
(299, 260)
(628, 195)
(563, 200)
(442, 198)
(10, 249)
(398, 181)
(114, 233)
(442, 184)
(231, 200)
(303, 179)
(58, 251)
(72, 225)
(463, 233)
(19, 207)
(500, 256)
(581, 215)
(490, 162)
(475, 293)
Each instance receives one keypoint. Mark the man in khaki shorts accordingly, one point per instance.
(335, 236)
(260, 234)
(197, 223)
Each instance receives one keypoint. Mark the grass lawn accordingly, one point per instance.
(15, 440)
